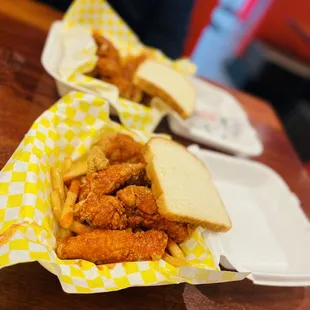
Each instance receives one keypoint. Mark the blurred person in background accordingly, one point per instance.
(162, 24)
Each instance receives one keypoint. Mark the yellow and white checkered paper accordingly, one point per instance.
(28, 227)
(97, 14)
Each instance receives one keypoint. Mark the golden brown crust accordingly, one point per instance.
(142, 211)
(155, 91)
(112, 246)
(113, 177)
(158, 193)
(102, 212)
(120, 148)
(140, 197)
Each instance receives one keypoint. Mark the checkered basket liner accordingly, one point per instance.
(28, 227)
(99, 15)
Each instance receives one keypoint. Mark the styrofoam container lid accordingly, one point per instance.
(270, 236)
(218, 121)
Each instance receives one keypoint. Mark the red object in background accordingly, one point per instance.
(246, 9)
(272, 27)
(275, 27)
(200, 18)
(244, 12)
(249, 36)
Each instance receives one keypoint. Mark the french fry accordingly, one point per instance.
(78, 169)
(64, 233)
(56, 204)
(176, 262)
(57, 183)
(77, 206)
(175, 250)
(66, 218)
(67, 164)
(66, 191)
(57, 207)
(79, 228)
(57, 210)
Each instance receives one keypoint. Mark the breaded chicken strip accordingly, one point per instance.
(142, 211)
(101, 212)
(120, 148)
(113, 246)
(107, 181)
(131, 63)
(108, 68)
(134, 207)
(138, 197)
(106, 48)
(176, 231)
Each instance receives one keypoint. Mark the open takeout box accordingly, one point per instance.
(275, 251)
(270, 236)
(28, 227)
(70, 50)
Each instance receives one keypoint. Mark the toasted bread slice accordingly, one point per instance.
(183, 187)
(161, 81)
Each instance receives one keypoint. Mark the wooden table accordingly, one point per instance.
(25, 92)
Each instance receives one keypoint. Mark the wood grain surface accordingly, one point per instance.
(30, 12)
(25, 92)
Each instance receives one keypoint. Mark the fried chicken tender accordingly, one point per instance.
(139, 197)
(133, 207)
(176, 231)
(131, 64)
(111, 69)
(108, 68)
(113, 246)
(120, 148)
(142, 211)
(136, 94)
(101, 212)
(126, 88)
(107, 181)
(105, 47)
(84, 190)
(109, 62)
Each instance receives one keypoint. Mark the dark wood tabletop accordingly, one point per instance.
(26, 91)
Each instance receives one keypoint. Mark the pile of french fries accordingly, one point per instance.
(177, 257)
(64, 195)
(63, 199)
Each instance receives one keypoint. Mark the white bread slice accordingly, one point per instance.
(161, 81)
(183, 187)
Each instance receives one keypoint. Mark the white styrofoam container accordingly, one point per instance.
(50, 59)
(270, 236)
(218, 121)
